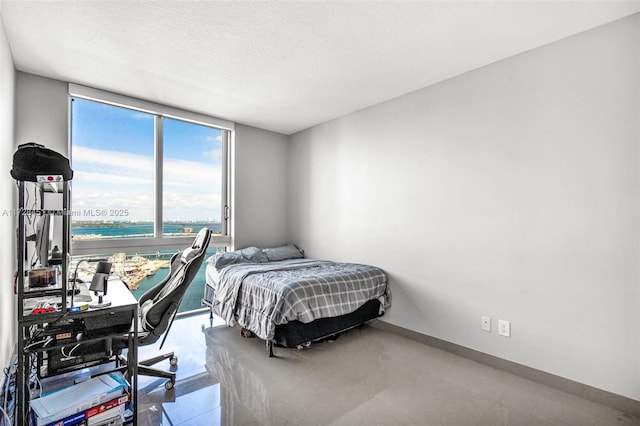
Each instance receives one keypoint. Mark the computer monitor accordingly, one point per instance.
(44, 239)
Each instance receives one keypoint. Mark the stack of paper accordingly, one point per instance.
(72, 400)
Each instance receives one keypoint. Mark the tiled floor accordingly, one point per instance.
(366, 377)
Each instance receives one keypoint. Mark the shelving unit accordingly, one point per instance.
(43, 223)
(56, 195)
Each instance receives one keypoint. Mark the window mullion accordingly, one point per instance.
(159, 140)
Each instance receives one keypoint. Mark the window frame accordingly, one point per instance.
(158, 241)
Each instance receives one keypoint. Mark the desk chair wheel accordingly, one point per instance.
(173, 361)
(168, 385)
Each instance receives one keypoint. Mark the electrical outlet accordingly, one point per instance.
(485, 323)
(504, 328)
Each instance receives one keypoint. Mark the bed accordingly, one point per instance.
(289, 300)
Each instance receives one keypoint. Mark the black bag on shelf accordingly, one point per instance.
(32, 159)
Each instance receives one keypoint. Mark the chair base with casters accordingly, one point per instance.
(145, 369)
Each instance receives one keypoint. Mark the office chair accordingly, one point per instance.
(159, 304)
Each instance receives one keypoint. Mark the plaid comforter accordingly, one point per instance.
(258, 296)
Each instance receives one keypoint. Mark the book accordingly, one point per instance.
(77, 398)
(88, 416)
(114, 414)
(109, 405)
(77, 419)
(114, 421)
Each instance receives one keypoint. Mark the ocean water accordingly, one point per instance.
(138, 229)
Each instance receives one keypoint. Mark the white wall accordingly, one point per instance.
(42, 110)
(7, 200)
(260, 214)
(511, 191)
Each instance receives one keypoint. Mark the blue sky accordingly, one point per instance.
(112, 157)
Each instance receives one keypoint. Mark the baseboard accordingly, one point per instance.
(619, 402)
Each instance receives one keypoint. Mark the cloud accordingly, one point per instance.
(214, 154)
(114, 163)
(109, 178)
(181, 206)
(102, 165)
(192, 174)
(112, 206)
(139, 206)
(115, 180)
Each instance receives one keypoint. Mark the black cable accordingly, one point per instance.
(39, 331)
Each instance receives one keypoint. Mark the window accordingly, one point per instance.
(147, 178)
(192, 177)
(112, 152)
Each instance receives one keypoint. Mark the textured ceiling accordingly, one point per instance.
(281, 66)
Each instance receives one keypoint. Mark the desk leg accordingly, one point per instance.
(133, 371)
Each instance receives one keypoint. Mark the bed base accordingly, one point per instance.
(295, 333)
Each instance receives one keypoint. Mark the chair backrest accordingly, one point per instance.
(159, 304)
